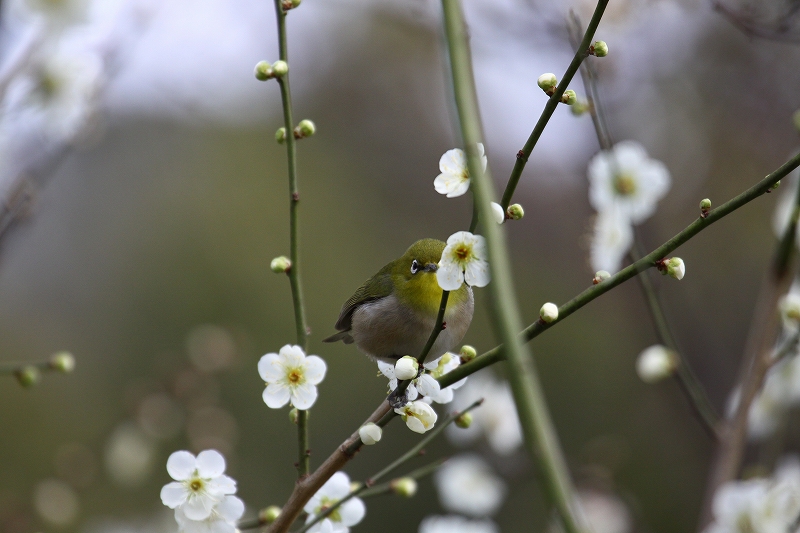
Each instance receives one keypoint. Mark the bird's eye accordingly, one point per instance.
(414, 266)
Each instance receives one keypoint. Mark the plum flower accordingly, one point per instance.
(423, 384)
(438, 368)
(222, 519)
(456, 524)
(199, 483)
(454, 178)
(626, 178)
(613, 237)
(291, 376)
(347, 515)
(418, 416)
(463, 259)
(467, 484)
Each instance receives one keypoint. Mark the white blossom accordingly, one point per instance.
(496, 420)
(370, 433)
(454, 178)
(456, 524)
(463, 259)
(611, 240)
(498, 213)
(418, 416)
(438, 368)
(467, 484)
(200, 483)
(222, 519)
(291, 376)
(342, 519)
(423, 384)
(627, 179)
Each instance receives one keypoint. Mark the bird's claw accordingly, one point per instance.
(397, 401)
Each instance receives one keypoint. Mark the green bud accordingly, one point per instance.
(776, 185)
(295, 3)
(515, 211)
(547, 82)
(269, 515)
(569, 97)
(675, 267)
(280, 265)
(293, 415)
(305, 129)
(404, 486)
(280, 69)
(464, 420)
(599, 49)
(600, 276)
(63, 362)
(796, 119)
(263, 71)
(548, 313)
(579, 108)
(705, 203)
(28, 376)
(468, 353)
(286, 5)
(280, 135)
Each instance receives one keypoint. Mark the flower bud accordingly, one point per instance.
(599, 49)
(280, 69)
(600, 276)
(63, 362)
(280, 265)
(675, 267)
(305, 129)
(547, 82)
(293, 415)
(269, 515)
(295, 3)
(656, 363)
(515, 212)
(464, 420)
(418, 416)
(569, 97)
(705, 204)
(404, 486)
(286, 5)
(468, 353)
(406, 367)
(579, 108)
(549, 312)
(28, 376)
(280, 135)
(498, 213)
(263, 71)
(355, 485)
(370, 433)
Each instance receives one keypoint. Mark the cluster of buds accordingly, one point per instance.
(514, 212)
(705, 207)
(304, 129)
(598, 49)
(287, 5)
(673, 266)
(264, 71)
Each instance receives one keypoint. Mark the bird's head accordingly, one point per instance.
(414, 275)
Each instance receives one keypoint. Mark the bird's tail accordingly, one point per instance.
(341, 336)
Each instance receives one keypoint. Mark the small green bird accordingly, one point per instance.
(393, 313)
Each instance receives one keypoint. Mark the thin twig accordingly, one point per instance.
(294, 237)
(552, 103)
(437, 329)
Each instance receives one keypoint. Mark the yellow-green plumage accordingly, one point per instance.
(393, 312)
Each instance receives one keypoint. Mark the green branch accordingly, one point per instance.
(540, 436)
(294, 237)
(551, 105)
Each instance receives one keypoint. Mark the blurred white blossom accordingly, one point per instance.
(496, 420)
(467, 484)
(56, 502)
(456, 524)
(612, 238)
(342, 519)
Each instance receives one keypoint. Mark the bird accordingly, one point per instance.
(394, 312)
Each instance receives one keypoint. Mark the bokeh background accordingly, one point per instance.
(145, 247)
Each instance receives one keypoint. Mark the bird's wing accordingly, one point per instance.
(377, 287)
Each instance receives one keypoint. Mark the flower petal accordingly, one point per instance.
(477, 274)
(498, 213)
(198, 508)
(337, 487)
(352, 511)
(386, 369)
(427, 386)
(231, 508)
(453, 162)
(449, 276)
(173, 494)
(210, 464)
(415, 425)
(222, 485)
(276, 395)
(304, 395)
(270, 368)
(315, 369)
(292, 355)
(181, 465)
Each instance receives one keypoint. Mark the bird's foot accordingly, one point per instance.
(397, 401)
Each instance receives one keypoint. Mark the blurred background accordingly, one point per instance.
(144, 199)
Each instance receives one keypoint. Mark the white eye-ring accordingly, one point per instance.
(415, 266)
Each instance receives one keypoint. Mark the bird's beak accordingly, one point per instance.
(431, 267)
